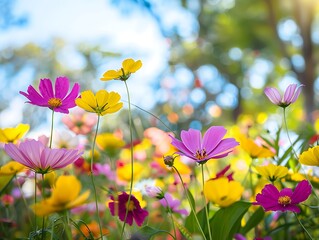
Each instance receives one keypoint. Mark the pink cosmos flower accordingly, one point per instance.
(290, 96)
(173, 204)
(134, 209)
(211, 146)
(41, 159)
(80, 121)
(285, 200)
(58, 100)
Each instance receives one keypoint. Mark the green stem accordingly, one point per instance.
(43, 196)
(24, 200)
(52, 123)
(171, 215)
(67, 223)
(206, 205)
(132, 155)
(190, 203)
(303, 227)
(35, 200)
(153, 116)
(92, 175)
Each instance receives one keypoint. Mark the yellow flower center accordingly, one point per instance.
(200, 154)
(130, 206)
(284, 200)
(55, 102)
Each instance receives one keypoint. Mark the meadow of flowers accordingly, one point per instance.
(220, 183)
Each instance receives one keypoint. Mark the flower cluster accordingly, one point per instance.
(104, 178)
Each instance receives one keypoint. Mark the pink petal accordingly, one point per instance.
(61, 87)
(225, 147)
(181, 147)
(212, 138)
(34, 97)
(297, 93)
(273, 95)
(46, 88)
(289, 93)
(69, 101)
(192, 139)
(301, 193)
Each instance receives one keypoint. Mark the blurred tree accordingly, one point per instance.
(236, 36)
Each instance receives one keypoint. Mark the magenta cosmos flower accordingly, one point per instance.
(58, 100)
(211, 146)
(134, 209)
(41, 159)
(285, 200)
(173, 204)
(290, 96)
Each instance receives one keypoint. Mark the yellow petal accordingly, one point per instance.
(222, 191)
(79, 200)
(102, 97)
(87, 101)
(67, 188)
(8, 135)
(130, 66)
(111, 74)
(11, 167)
(310, 157)
(44, 208)
(113, 109)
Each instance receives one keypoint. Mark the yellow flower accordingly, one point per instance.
(12, 135)
(64, 196)
(128, 66)
(272, 172)
(310, 157)
(223, 192)
(123, 171)
(254, 150)
(108, 141)
(11, 168)
(102, 103)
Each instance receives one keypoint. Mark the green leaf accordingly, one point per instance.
(226, 221)
(147, 232)
(253, 221)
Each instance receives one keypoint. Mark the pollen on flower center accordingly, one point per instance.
(55, 102)
(284, 200)
(201, 154)
(130, 206)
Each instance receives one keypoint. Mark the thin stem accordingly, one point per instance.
(52, 123)
(132, 155)
(153, 116)
(286, 128)
(92, 176)
(303, 227)
(24, 200)
(190, 203)
(43, 196)
(206, 208)
(171, 215)
(35, 200)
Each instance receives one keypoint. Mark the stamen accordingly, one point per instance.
(284, 200)
(54, 102)
(201, 154)
(130, 206)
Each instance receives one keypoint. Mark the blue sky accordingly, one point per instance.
(134, 34)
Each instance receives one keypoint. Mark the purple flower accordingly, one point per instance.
(120, 205)
(173, 204)
(285, 200)
(58, 100)
(41, 159)
(211, 146)
(290, 96)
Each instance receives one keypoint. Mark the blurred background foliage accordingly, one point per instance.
(221, 56)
